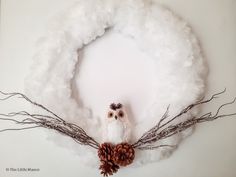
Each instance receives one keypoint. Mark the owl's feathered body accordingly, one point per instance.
(117, 127)
(115, 132)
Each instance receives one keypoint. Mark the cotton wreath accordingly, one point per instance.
(162, 35)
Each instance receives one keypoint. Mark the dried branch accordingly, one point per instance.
(168, 129)
(152, 147)
(9, 95)
(52, 121)
(163, 129)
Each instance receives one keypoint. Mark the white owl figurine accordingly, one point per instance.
(117, 127)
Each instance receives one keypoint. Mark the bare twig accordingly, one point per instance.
(149, 147)
(52, 121)
(9, 95)
(168, 129)
(24, 128)
(163, 129)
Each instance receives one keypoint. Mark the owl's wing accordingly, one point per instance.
(104, 130)
(128, 131)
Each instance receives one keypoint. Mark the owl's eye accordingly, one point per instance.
(110, 114)
(121, 114)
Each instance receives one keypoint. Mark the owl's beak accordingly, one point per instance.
(116, 117)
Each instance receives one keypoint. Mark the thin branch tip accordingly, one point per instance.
(167, 129)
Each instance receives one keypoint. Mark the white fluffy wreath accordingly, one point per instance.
(167, 39)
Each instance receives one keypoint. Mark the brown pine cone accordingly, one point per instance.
(123, 154)
(105, 152)
(108, 168)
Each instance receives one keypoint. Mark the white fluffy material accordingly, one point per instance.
(167, 39)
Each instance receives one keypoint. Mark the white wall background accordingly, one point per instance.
(209, 152)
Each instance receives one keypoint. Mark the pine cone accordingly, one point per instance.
(123, 154)
(108, 168)
(105, 152)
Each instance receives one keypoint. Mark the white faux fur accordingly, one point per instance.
(167, 39)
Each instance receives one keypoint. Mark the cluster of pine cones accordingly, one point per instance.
(114, 156)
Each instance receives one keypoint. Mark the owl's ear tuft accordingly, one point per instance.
(113, 106)
(119, 105)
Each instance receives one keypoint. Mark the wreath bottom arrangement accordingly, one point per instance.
(111, 156)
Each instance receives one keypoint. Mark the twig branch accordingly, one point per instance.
(149, 147)
(163, 129)
(168, 129)
(19, 128)
(10, 95)
(52, 121)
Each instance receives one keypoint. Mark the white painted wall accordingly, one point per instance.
(209, 152)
